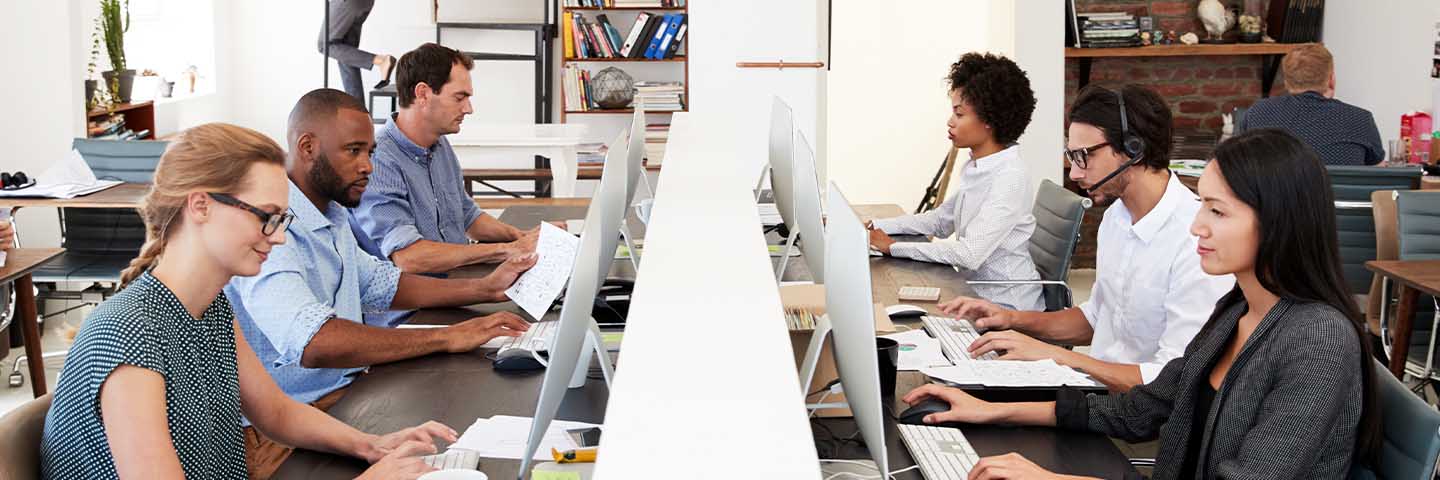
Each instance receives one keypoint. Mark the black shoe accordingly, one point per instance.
(385, 81)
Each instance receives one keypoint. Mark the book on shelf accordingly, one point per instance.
(653, 36)
(656, 136)
(591, 153)
(624, 3)
(660, 96)
(1107, 30)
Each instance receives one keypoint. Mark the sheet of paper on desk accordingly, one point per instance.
(918, 350)
(537, 288)
(66, 179)
(503, 436)
(1010, 373)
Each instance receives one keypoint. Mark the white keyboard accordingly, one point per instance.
(454, 459)
(942, 453)
(536, 339)
(955, 337)
(929, 294)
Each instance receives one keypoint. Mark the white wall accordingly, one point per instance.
(1383, 53)
(1040, 52)
(44, 97)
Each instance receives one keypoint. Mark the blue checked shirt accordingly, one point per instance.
(319, 273)
(414, 193)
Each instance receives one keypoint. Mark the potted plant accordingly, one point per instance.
(91, 84)
(119, 79)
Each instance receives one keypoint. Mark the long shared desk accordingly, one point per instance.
(456, 389)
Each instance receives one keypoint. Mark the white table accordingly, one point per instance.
(683, 403)
(558, 142)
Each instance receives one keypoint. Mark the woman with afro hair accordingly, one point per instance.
(989, 214)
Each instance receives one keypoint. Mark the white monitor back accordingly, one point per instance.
(592, 262)
(635, 160)
(848, 303)
(809, 214)
(782, 160)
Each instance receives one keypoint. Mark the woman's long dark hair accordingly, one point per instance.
(1283, 180)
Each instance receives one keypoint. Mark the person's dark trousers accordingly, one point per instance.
(347, 17)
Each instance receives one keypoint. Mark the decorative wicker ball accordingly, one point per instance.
(613, 88)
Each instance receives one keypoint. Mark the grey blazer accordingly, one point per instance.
(1288, 408)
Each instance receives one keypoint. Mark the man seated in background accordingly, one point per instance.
(416, 212)
(1341, 133)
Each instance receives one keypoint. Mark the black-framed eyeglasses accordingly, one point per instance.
(269, 222)
(1079, 157)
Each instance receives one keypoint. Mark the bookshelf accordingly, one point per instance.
(623, 19)
(138, 117)
(1271, 54)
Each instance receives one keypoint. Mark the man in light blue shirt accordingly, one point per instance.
(303, 313)
(416, 212)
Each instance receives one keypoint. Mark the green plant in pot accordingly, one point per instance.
(94, 98)
(114, 22)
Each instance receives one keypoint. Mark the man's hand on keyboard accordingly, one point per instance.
(471, 334)
(963, 407)
(986, 315)
(1010, 466)
(403, 462)
(1016, 346)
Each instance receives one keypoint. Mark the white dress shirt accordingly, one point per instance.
(990, 218)
(1150, 295)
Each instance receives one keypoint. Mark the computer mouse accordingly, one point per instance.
(904, 311)
(515, 360)
(455, 474)
(915, 415)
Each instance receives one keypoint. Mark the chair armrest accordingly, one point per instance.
(1142, 462)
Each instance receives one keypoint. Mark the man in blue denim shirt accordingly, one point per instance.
(416, 212)
(303, 313)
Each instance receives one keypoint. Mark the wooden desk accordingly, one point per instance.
(125, 195)
(1411, 277)
(18, 265)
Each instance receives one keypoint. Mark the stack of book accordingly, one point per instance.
(112, 127)
(577, 90)
(1108, 30)
(1298, 22)
(653, 37)
(656, 136)
(660, 96)
(591, 154)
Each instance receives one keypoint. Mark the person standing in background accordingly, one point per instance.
(347, 17)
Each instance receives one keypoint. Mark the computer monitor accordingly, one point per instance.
(782, 178)
(808, 218)
(851, 315)
(578, 335)
(634, 156)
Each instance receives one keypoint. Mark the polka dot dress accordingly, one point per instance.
(146, 326)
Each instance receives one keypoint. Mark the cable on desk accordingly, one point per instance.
(858, 462)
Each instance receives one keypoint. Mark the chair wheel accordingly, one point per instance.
(16, 379)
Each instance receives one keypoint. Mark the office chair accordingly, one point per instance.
(99, 242)
(20, 433)
(1418, 232)
(1411, 433)
(1058, 213)
(1354, 218)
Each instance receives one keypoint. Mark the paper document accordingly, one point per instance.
(918, 350)
(66, 179)
(537, 288)
(503, 436)
(1010, 373)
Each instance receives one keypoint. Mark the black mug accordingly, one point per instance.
(889, 352)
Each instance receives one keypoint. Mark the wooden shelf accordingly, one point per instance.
(628, 9)
(118, 108)
(1185, 50)
(677, 58)
(618, 111)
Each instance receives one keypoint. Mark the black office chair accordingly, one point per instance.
(1058, 213)
(99, 242)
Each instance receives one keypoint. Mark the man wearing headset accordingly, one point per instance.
(1150, 295)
